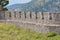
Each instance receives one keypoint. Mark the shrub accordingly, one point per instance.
(51, 34)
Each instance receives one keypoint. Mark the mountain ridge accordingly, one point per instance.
(38, 5)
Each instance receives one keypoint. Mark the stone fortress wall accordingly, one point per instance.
(39, 21)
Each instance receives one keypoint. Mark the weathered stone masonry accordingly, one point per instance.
(38, 21)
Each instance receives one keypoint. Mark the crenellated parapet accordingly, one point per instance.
(37, 17)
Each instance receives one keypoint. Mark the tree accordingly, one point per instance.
(2, 4)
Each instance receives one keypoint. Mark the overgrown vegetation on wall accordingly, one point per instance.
(13, 32)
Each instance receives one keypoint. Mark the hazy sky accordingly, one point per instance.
(18, 1)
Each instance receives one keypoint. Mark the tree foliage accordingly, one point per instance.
(4, 3)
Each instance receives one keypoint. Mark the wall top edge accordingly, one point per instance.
(33, 12)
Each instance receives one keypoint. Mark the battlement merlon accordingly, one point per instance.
(35, 17)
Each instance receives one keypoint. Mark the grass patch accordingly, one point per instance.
(12, 32)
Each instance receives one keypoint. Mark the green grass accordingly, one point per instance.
(12, 32)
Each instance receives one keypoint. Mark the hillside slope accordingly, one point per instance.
(38, 5)
(13, 32)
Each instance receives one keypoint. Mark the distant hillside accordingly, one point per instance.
(38, 5)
